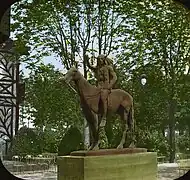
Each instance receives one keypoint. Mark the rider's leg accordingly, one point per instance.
(104, 102)
(103, 140)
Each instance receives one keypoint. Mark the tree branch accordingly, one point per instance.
(63, 42)
(71, 36)
(112, 32)
(88, 29)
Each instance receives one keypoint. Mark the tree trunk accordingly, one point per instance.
(99, 28)
(17, 99)
(172, 130)
(163, 132)
(181, 132)
(86, 127)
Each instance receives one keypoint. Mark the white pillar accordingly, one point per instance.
(86, 135)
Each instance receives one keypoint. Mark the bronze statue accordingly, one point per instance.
(118, 101)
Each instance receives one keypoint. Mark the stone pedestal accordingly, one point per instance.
(125, 164)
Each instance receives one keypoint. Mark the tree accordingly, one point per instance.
(67, 30)
(25, 142)
(51, 102)
(149, 37)
(161, 39)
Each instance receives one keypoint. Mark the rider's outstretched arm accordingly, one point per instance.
(88, 63)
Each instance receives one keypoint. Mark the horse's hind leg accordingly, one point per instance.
(124, 117)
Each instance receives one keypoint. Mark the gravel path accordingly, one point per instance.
(39, 176)
(166, 171)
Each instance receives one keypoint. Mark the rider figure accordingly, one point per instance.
(106, 78)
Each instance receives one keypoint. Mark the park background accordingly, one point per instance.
(147, 40)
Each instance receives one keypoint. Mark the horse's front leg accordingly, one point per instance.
(96, 140)
(102, 140)
(94, 132)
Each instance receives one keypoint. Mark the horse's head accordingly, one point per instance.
(72, 74)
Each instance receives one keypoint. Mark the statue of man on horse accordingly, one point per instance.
(102, 99)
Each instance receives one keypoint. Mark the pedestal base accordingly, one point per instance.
(129, 166)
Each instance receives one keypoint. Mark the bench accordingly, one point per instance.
(183, 165)
(161, 159)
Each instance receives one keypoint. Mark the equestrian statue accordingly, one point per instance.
(102, 99)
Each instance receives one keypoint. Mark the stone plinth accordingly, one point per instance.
(131, 165)
(102, 152)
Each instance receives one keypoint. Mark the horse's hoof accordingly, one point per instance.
(132, 145)
(90, 148)
(120, 147)
(95, 148)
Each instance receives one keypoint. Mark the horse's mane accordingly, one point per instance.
(86, 81)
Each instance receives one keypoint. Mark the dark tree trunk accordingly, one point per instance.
(86, 129)
(163, 132)
(172, 130)
(181, 132)
(84, 64)
(17, 98)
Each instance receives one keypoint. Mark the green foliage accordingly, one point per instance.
(49, 139)
(25, 142)
(50, 105)
(183, 144)
(34, 141)
(153, 141)
(149, 37)
(71, 141)
(113, 131)
(50, 101)
(65, 29)
(157, 44)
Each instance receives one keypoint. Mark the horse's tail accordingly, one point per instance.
(131, 120)
(131, 125)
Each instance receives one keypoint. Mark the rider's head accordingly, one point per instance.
(109, 61)
(103, 60)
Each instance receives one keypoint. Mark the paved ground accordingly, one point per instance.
(166, 171)
(39, 176)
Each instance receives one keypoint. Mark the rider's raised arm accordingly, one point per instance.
(114, 77)
(88, 63)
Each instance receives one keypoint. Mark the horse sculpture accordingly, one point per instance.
(119, 102)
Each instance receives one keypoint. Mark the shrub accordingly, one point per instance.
(71, 141)
(183, 144)
(153, 141)
(25, 142)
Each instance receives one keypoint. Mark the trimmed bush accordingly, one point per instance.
(71, 141)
